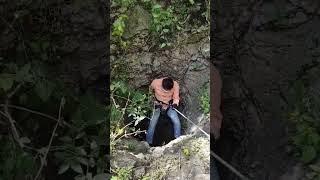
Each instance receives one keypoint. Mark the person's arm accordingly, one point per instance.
(175, 95)
(216, 115)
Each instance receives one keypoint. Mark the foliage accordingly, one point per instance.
(123, 174)
(167, 20)
(15, 164)
(146, 177)
(83, 148)
(138, 102)
(306, 118)
(205, 99)
(131, 147)
(186, 152)
(30, 75)
(163, 24)
(118, 29)
(119, 25)
(126, 101)
(315, 168)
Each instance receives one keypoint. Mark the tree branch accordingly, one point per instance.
(14, 130)
(43, 159)
(36, 112)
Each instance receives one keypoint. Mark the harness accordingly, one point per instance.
(161, 102)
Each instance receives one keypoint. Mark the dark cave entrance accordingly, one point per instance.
(164, 132)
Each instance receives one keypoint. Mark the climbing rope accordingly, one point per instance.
(226, 164)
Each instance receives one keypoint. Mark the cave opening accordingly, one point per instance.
(164, 132)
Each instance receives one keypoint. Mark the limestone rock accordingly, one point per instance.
(187, 157)
(139, 20)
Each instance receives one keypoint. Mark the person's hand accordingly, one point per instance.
(175, 106)
(157, 106)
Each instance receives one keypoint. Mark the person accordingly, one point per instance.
(166, 92)
(216, 115)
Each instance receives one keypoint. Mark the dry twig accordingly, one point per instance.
(36, 112)
(43, 159)
(7, 114)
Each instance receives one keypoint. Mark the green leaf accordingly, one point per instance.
(76, 167)
(44, 89)
(315, 168)
(81, 151)
(63, 168)
(162, 45)
(114, 178)
(186, 152)
(308, 154)
(82, 160)
(6, 81)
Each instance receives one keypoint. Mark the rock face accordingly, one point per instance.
(184, 158)
(187, 63)
(76, 31)
(267, 46)
(139, 21)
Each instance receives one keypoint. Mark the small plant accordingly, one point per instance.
(131, 146)
(205, 100)
(163, 24)
(186, 152)
(305, 116)
(123, 174)
(126, 101)
(118, 30)
(15, 163)
(146, 177)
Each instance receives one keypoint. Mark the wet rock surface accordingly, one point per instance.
(263, 46)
